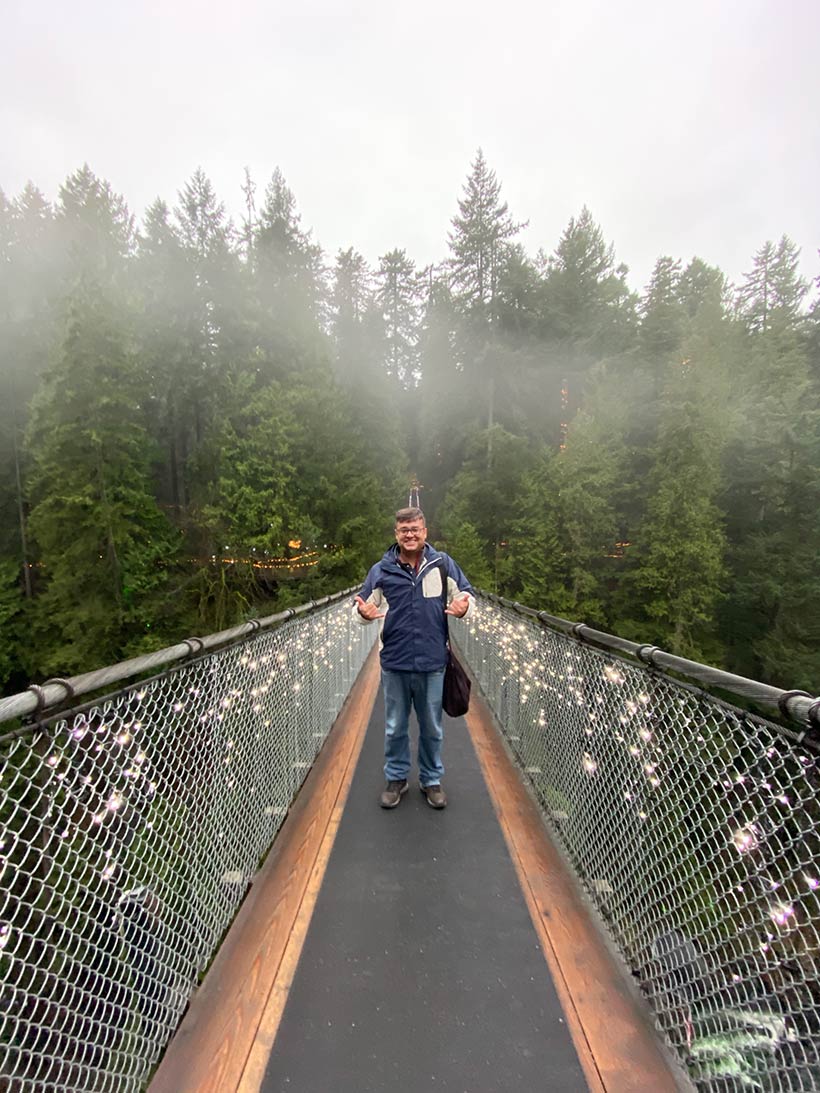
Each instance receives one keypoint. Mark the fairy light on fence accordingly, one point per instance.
(96, 815)
(686, 820)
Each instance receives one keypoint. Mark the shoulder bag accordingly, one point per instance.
(456, 696)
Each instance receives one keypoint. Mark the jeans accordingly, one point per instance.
(422, 691)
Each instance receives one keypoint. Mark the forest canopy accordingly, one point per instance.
(205, 421)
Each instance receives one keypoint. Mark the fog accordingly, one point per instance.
(686, 129)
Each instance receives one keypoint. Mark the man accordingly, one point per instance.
(405, 592)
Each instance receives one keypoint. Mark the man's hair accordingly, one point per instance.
(404, 516)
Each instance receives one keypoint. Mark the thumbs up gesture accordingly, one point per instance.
(368, 611)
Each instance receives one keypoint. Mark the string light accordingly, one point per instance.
(745, 839)
(782, 915)
(616, 743)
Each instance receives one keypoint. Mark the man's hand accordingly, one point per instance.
(458, 607)
(368, 611)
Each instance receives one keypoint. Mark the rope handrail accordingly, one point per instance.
(40, 697)
(798, 706)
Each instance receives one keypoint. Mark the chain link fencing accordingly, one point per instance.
(130, 831)
(694, 829)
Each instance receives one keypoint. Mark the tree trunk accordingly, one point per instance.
(490, 421)
(21, 512)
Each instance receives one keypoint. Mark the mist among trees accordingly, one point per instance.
(204, 422)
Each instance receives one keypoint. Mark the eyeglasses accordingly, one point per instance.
(409, 531)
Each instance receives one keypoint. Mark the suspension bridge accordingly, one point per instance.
(200, 892)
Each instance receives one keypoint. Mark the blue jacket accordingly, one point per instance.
(413, 635)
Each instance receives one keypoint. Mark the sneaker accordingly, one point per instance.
(435, 796)
(393, 793)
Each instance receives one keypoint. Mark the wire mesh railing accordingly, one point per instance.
(694, 828)
(130, 830)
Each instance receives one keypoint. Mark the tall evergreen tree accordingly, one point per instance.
(588, 306)
(572, 510)
(481, 252)
(289, 265)
(171, 347)
(703, 288)
(485, 498)
(539, 553)
(774, 470)
(103, 542)
(773, 291)
(436, 441)
(97, 228)
(677, 560)
(351, 301)
(479, 242)
(203, 226)
(399, 296)
(29, 306)
(662, 313)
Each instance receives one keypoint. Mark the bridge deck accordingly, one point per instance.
(412, 949)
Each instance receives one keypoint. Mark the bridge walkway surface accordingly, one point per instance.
(413, 949)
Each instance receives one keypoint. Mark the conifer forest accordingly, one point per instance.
(207, 420)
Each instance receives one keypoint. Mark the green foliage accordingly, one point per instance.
(587, 304)
(246, 507)
(479, 242)
(399, 297)
(195, 398)
(567, 528)
(103, 542)
(11, 618)
(774, 505)
(538, 552)
(663, 313)
(677, 563)
(465, 545)
(771, 296)
(484, 496)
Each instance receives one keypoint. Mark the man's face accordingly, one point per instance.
(411, 536)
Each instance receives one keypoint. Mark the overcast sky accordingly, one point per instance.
(687, 128)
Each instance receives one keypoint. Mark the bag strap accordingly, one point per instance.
(443, 569)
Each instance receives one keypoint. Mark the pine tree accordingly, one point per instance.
(103, 543)
(678, 556)
(590, 473)
(399, 296)
(436, 442)
(703, 288)
(486, 497)
(479, 242)
(814, 334)
(539, 552)
(203, 226)
(207, 332)
(171, 348)
(351, 301)
(28, 304)
(247, 508)
(289, 266)
(97, 228)
(773, 292)
(587, 304)
(11, 619)
(517, 300)
(481, 253)
(662, 314)
(773, 500)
